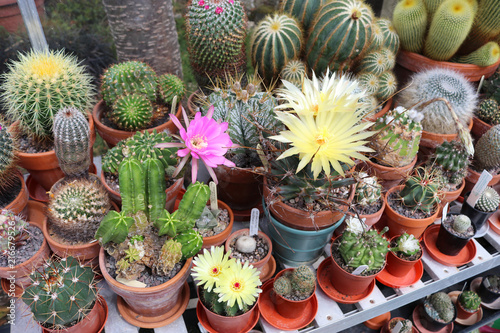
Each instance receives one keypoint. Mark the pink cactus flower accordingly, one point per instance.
(218, 10)
(231, 1)
(207, 7)
(203, 139)
(201, 3)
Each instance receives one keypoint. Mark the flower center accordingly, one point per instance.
(236, 286)
(199, 142)
(315, 109)
(322, 137)
(275, 27)
(215, 271)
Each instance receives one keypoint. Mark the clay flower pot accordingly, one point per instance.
(432, 140)
(288, 308)
(19, 204)
(154, 306)
(399, 224)
(379, 114)
(397, 266)
(450, 196)
(113, 136)
(221, 237)
(463, 313)
(472, 178)
(479, 127)
(390, 176)
(261, 265)
(392, 323)
(191, 105)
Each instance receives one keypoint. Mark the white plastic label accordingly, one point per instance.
(479, 188)
(445, 211)
(397, 328)
(487, 283)
(360, 270)
(254, 221)
(213, 196)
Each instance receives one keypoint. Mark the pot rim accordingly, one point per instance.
(412, 220)
(280, 273)
(246, 231)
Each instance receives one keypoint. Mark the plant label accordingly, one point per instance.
(254, 222)
(360, 270)
(397, 328)
(487, 283)
(213, 196)
(479, 188)
(445, 211)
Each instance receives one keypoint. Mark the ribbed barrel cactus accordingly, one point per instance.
(488, 201)
(294, 72)
(169, 86)
(421, 191)
(302, 10)
(7, 159)
(487, 150)
(470, 300)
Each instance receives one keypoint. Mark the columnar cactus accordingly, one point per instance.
(191, 243)
(488, 201)
(14, 227)
(39, 84)
(443, 83)
(396, 144)
(169, 86)
(276, 40)
(72, 141)
(470, 300)
(410, 20)
(487, 150)
(294, 72)
(62, 293)
(461, 223)
(440, 307)
(77, 207)
(368, 190)
(453, 160)
(486, 25)
(421, 191)
(7, 159)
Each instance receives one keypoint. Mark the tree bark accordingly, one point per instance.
(145, 30)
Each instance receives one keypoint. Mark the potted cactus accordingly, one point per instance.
(136, 99)
(63, 297)
(485, 206)
(468, 303)
(489, 289)
(488, 112)
(390, 326)
(368, 203)
(62, 82)
(227, 291)
(405, 252)
(395, 145)
(413, 206)
(436, 312)
(486, 157)
(454, 234)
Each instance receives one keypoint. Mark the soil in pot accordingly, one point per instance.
(368, 209)
(397, 205)
(260, 252)
(223, 221)
(27, 250)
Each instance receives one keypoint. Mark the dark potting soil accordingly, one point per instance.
(29, 146)
(26, 251)
(10, 193)
(147, 277)
(113, 182)
(72, 239)
(448, 225)
(340, 261)
(245, 160)
(161, 116)
(259, 253)
(397, 204)
(403, 256)
(367, 210)
(223, 219)
(340, 193)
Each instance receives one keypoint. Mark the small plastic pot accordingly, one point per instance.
(288, 308)
(397, 266)
(477, 217)
(487, 296)
(449, 243)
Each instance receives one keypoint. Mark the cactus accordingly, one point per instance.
(132, 112)
(170, 255)
(169, 86)
(452, 159)
(114, 227)
(155, 188)
(132, 186)
(341, 31)
(377, 40)
(126, 78)
(368, 190)
(397, 141)
(302, 10)
(191, 243)
(421, 191)
(486, 26)
(449, 28)
(470, 300)
(491, 87)
(294, 72)
(410, 20)
(7, 160)
(208, 219)
(369, 82)
(368, 248)
(432, 6)
(63, 293)
(170, 225)
(488, 201)
(72, 141)
(114, 156)
(488, 110)
(390, 58)
(246, 244)
(41, 83)
(387, 85)
(303, 281)
(486, 55)
(391, 37)
(276, 40)
(407, 244)
(193, 202)
(14, 227)
(282, 286)
(440, 307)
(487, 150)
(461, 223)
(447, 84)
(374, 62)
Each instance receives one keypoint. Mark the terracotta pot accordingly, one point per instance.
(172, 193)
(44, 167)
(391, 324)
(399, 224)
(379, 114)
(261, 264)
(288, 308)
(409, 63)
(472, 178)
(153, 303)
(93, 323)
(10, 14)
(221, 237)
(377, 322)
(432, 140)
(479, 127)
(449, 197)
(240, 189)
(22, 271)
(37, 213)
(347, 283)
(370, 220)
(462, 313)
(191, 105)
(301, 219)
(113, 136)
(390, 176)
(19, 204)
(397, 266)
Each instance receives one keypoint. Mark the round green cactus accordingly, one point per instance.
(488, 109)
(441, 307)
(461, 223)
(191, 243)
(127, 78)
(470, 300)
(487, 150)
(282, 286)
(387, 85)
(41, 83)
(132, 112)
(453, 159)
(369, 82)
(488, 201)
(377, 37)
(391, 37)
(410, 20)
(294, 72)
(169, 86)
(276, 40)
(368, 248)
(303, 281)
(421, 191)
(374, 62)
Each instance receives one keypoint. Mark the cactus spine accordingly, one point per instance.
(449, 28)
(341, 30)
(486, 55)
(300, 282)
(169, 86)
(439, 306)
(410, 20)
(72, 141)
(461, 223)
(432, 6)
(488, 201)
(369, 82)
(486, 26)
(489, 111)
(294, 72)
(13, 231)
(132, 112)
(487, 150)
(387, 86)
(302, 10)
(470, 300)
(276, 40)
(421, 191)
(452, 159)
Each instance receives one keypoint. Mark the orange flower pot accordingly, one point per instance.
(397, 266)
(390, 176)
(19, 204)
(449, 197)
(221, 237)
(461, 312)
(479, 127)
(432, 140)
(288, 308)
(472, 178)
(379, 114)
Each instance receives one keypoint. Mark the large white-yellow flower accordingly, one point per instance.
(208, 267)
(239, 284)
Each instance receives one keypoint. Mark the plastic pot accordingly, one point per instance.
(487, 296)
(397, 266)
(462, 313)
(429, 323)
(449, 243)
(477, 217)
(288, 308)
(472, 178)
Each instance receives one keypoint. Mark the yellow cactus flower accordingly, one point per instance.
(208, 267)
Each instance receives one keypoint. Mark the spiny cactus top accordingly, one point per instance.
(461, 223)
(470, 300)
(41, 83)
(488, 201)
(440, 307)
(422, 191)
(62, 292)
(12, 225)
(453, 159)
(368, 190)
(7, 159)
(487, 150)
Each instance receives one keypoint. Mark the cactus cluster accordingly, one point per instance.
(440, 307)
(491, 87)
(7, 159)
(421, 191)
(397, 141)
(39, 84)
(368, 190)
(484, 56)
(488, 201)
(76, 208)
(365, 248)
(470, 300)
(489, 111)
(410, 20)
(487, 150)
(300, 282)
(434, 83)
(169, 86)
(453, 160)
(62, 293)
(461, 223)
(12, 225)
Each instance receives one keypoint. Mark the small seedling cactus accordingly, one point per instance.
(299, 283)
(488, 201)
(421, 191)
(407, 244)
(12, 227)
(282, 286)
(62, 293)
(440, 307)
(368, 190)
(461, 223)
(470, 300)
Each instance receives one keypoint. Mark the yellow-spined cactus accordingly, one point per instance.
(410, 20)
(486, 55)
(486, 26)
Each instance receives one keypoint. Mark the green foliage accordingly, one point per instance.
(169, 86)
(14, 227)
(441, 304)
(191, 243)
(132, 112)
(410, 20)
(470, 300)
(421, 191)
(461, 223)
(62, 293)
(452, 159)
(488, 201)
(487, 150)
(114, 227)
